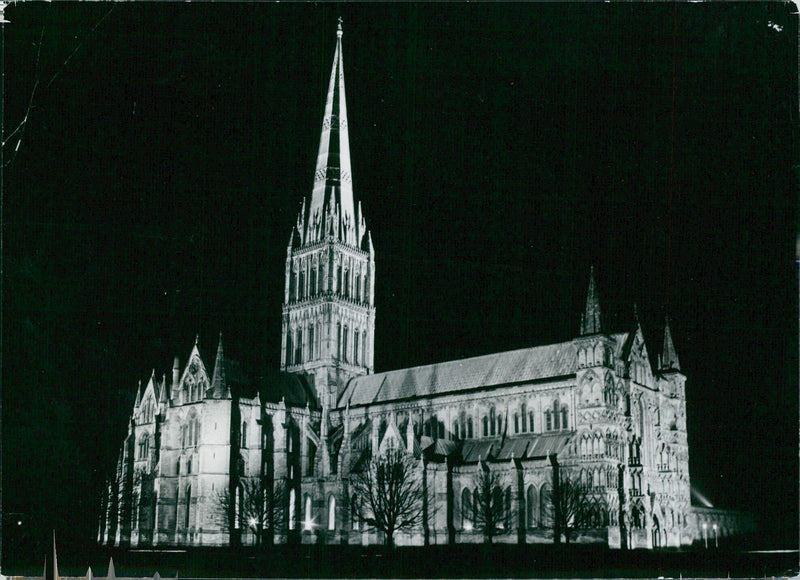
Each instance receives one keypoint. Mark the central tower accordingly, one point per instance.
(329, 298)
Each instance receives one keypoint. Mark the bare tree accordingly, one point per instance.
(260, 507)
(570, 506)
(388, 494)
(487, 502)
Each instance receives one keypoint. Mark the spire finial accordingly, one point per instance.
(591, 321)
(197, 339)
(669, 357)
(339, 28)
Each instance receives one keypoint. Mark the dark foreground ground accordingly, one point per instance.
(463, 561)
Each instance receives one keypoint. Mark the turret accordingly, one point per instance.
(668, 360)
(176, 376)
(591, 319)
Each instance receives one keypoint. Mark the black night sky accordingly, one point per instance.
(156, 156)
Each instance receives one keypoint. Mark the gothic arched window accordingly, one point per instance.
(523, 412)
(310, 342)
(469, 427)
(289, 351)
(301, 287)
(530, 421)
(544, 507)
(345, 334)
(313, 282)
(298, 347)
(364, 347)
(492, 420)
(564, 421)
(331, 513)
(307, 518)
(548, 419)
(339, 340)
(292, 509)
(244, 435)
(356, 336)
(556, 421)
(188, 506)
(485, 426)
(497, 503)
(466, 510)
(530, 504)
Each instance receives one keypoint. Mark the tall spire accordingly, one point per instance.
(219, 382)
(591, 320)
(669, 358)
(333, 184)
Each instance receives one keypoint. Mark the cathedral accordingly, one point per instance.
(598, 407)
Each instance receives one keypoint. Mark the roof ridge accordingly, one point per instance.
(469, 358)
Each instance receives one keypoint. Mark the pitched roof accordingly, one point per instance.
(475, 450)
(294, 389)
(516, 366)
(533, 445)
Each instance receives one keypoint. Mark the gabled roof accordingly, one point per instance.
(516, 366)
(294, 389)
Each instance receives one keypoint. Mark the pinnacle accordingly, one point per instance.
(591, 321)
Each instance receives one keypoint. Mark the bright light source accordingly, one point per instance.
(307, 525)
(19, 522)
(715, 527)
(468, 527)
(252, 521)
(705, 526)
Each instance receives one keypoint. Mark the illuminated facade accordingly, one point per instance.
(598, 406)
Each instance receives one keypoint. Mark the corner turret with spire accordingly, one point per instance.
(669, 367)
(595, 352)
(329, 296)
